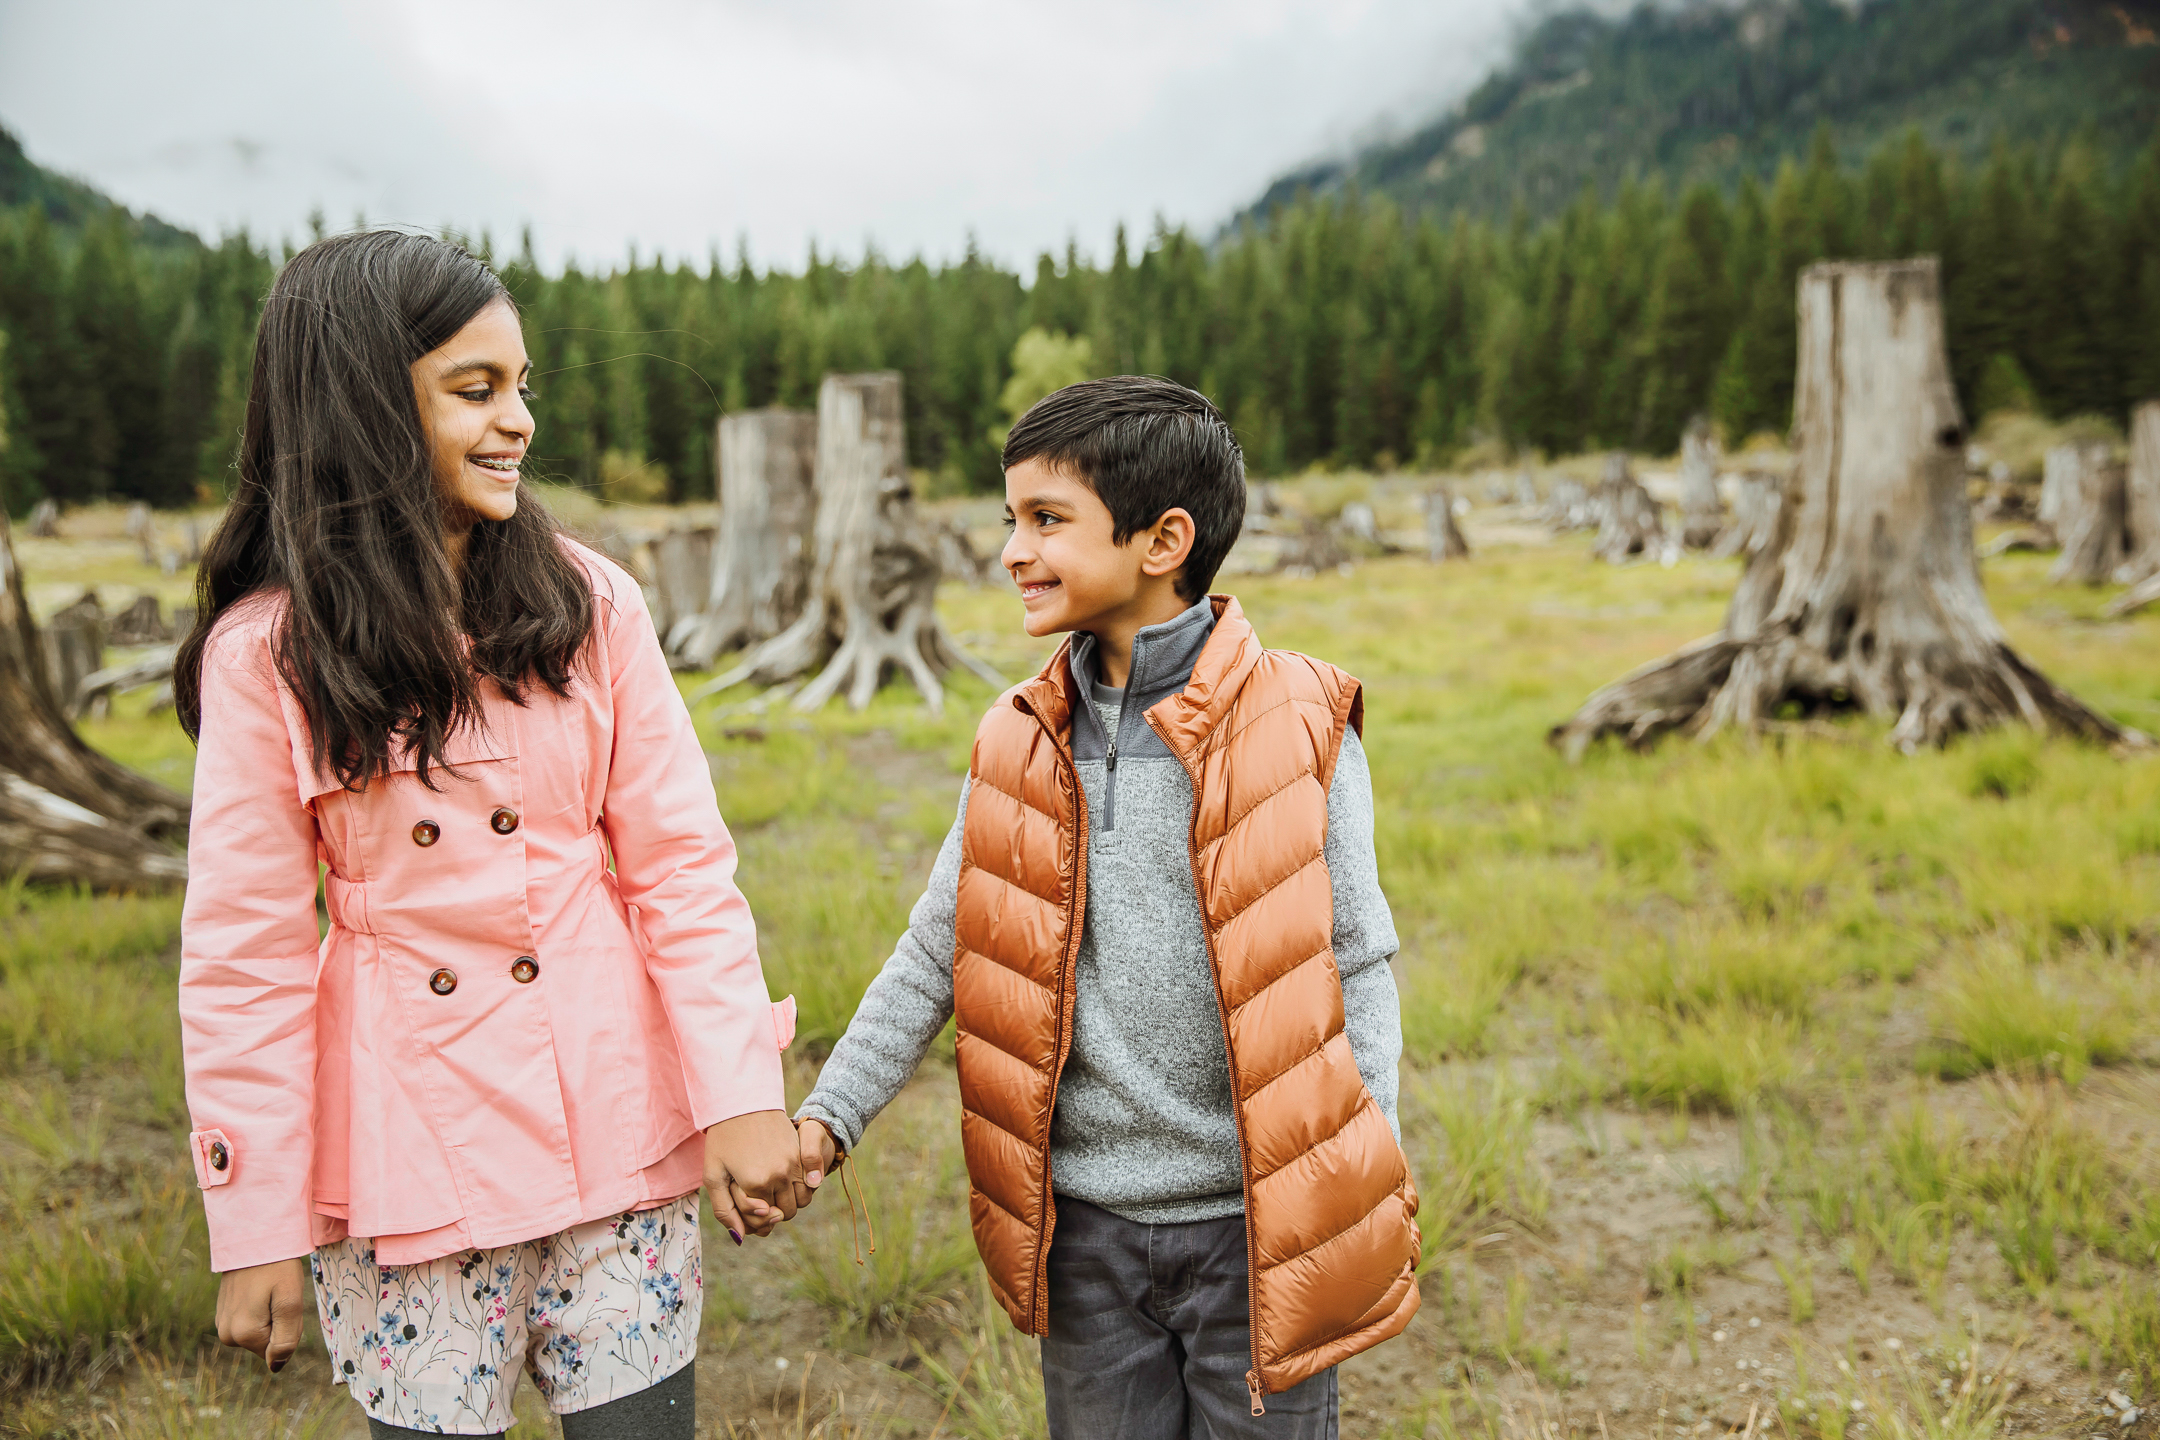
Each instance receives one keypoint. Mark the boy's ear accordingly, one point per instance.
(1169, 542)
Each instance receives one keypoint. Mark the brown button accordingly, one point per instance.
(442, 982)
(220, 1157)
(426, 833)
(504, 821)
(526, 970)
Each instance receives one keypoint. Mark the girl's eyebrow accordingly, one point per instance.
(482, 367)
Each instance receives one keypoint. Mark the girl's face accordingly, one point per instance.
(472, 406)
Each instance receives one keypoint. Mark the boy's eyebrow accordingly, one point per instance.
(1038, 502)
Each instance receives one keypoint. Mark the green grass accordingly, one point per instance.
(1908, 980)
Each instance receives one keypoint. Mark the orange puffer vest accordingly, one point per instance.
(1329, 1204)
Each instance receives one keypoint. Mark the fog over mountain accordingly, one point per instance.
(675, 126)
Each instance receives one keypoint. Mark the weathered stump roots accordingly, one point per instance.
(873, 587)
(1867, 596)
(67, 813)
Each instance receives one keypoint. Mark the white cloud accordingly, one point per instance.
(681, 124)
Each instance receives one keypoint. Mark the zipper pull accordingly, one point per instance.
(1110, 762)
(1252, 1383)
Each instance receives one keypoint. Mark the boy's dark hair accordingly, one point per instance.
(1145, 445)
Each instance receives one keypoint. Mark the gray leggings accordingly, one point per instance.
(666, 1411)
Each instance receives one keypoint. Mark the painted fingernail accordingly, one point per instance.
(276, 1365)
(735, 1237)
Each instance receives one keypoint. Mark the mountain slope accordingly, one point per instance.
(70, 203)
(1711, 91)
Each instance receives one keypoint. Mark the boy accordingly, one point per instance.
(1159, 921)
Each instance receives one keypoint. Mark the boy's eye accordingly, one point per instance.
(1010, 522)
(1044, 517)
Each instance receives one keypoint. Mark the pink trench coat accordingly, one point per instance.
(500, 1036)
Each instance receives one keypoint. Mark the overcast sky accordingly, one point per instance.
(679, 124)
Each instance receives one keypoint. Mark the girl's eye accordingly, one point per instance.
(478, 397)
(527, 395)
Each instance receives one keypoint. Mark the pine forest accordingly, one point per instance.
(1341, 331)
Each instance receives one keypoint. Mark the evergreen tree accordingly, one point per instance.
(1690, 320)
(2073, 355)
(2141, 281)
(19, 489)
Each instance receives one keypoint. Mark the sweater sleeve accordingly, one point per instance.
(675, 862)
(248, 953)
(901, 1012)
(1364, 936)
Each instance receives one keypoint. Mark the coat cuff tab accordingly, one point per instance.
(783, 1021)
(214, 1159)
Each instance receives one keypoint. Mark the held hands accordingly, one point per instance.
(259, 1309)
(754, 1173)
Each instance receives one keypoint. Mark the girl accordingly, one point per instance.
(479, 1111)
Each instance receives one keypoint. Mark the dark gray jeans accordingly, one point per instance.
(1149, 1337)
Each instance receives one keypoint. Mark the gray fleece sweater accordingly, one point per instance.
(1145, 1126)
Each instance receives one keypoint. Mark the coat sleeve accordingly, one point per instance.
(248, 960)
(675, 862)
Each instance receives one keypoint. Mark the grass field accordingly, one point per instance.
(1781, 1082)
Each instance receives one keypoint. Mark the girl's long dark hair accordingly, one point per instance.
(338, 513)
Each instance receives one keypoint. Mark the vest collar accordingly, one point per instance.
(1186, 718)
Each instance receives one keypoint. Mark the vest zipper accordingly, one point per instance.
(1046, 1219)
(1254, 1384)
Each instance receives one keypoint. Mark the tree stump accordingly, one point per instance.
(1702, 512)
(1868, 596)
(45, 520)
(2141, 497)
(2089, 514)
(1756, 501)
(67, 813)
(956, 553)
(142, 529)
(1569, 507)
(74, 647)
(1629, 521)
(140, 624)
(1358, 522)
(760, 573)
(682, 561)
(1443, 537)
(873, 589)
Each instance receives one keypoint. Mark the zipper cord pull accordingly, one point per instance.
(1110, 762)
(1252, 1383)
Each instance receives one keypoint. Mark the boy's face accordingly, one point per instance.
(1071, 575)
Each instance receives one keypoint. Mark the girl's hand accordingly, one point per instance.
(259, 1309)
(753, 1171)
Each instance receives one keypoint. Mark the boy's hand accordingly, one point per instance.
(259, 1309)
(819, 1152)
(753, 1171)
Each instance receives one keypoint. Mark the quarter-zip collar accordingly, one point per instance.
(1163, 657)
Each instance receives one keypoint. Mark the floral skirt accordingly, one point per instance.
(593, 1313)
